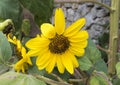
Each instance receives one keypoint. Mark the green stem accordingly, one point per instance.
(83, 1)
(114, 22)
(50, 81)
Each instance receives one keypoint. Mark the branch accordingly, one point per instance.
(77, 80)
(56, 76)
(99, 47)
(50, 81)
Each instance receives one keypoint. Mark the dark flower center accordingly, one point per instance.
(59, 44)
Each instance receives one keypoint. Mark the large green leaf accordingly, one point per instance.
(85, 63)
(3, 68)
(116, 81)
(118, 69)
(11, 9)
(97, 80)
(5, 49)
(41, 9)
(92, 59)
(13, 78)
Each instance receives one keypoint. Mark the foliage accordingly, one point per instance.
(13, 78)
(92, 59)
(18, 13)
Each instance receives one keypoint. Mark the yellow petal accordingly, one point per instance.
(18, 65)
(20, 62)
(23, 52)
(19, 46)
(79, 44)
(23, 69)
(77, 51)
(74, 60)
(33, 53)
(51, 65)
(67, 62)
(40, 67)
(80, 36)
(37, 43)
(48, 30)
(10, 40)
(41, 60)
(59, 21)
(60, 66)
(75, 27)
(29, 60)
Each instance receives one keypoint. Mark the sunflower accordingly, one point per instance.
(22, 64)
(58, 46)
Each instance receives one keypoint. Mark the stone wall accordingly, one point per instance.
(97, 17)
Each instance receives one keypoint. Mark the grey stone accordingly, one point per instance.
(90, 4)
(89, 20)
(83, 9)
(77, 16)
(70, 18)
(68, 23)
(70, 14)
(68, 5)
(75, 6)
(101, 13)
(56, 5)
(102, 21)
(65, 11)
(93, 12)
(95, 31)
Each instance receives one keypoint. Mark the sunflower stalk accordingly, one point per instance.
(113, 41)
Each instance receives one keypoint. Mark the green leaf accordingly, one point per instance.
(13, 78)
(118, 69)
(3, 68)
(97, 80)
(85, 63)
(5, 49)
(92, 59)
(41, 9)
(116, 81)
(11, 9)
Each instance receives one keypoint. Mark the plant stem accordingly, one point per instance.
(50, 81)
(114, 22)
(57, 77)
(99, 47)
(82, 1)
(77, 80)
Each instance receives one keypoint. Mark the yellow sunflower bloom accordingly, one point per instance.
(58, 45)
(22, 64)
